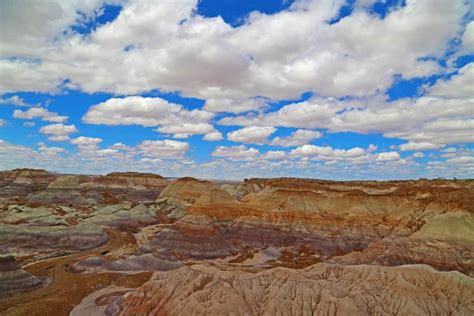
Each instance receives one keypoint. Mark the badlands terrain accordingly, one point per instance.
(140, 244)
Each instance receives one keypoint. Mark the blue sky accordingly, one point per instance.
(235, 89)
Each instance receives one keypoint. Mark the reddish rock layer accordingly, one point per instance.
(328, 218)
(265, 246)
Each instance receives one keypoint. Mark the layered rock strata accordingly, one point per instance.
(320, 289)
(102, 190)
(392, 223)
(263, 246)
(13, 279)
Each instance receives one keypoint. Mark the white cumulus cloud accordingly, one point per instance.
(251, 134)
(58, 132)
(388, 156)
(41, 113)
(297, 138)
(163, 148)
(240, 152)
(143, 111)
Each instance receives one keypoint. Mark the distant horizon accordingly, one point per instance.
(237, 180)
(349, 89)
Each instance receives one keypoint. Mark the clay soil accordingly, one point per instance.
(67, 289)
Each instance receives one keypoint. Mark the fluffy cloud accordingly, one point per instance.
(251, 135)
(424, 120)
(269, 164)
(50, 150)
(144, 111)
(83, 141)
(187, 129)
(39, 112)
(297, 138)
(304, 153)
(213, 137)
(329, 153)
(19, 156)
(436, 120)
(88, 148)
(462, 160)
(235, 106)
(278, 56)
(460, 164)
(163, 148)
(458, 86)
(236, 152)
(170, 117)
(29, 33)
(313, 113)
(2, 122)
(14, 100)
(58, 132)
(10, 152)
(468, 39)
(388, 156)
(275, 154)
(32, 26)
(20, 75)
(348, 65)
(332, 155)
(120, 146)
(243, 153)
(418, 146)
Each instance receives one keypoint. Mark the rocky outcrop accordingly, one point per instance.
(28, 240)
(21, 182)
(115, 215)
(122, 215)
(187, 189)
(135, 179)
(328, 219)
(13, 279)
(101, 302)
(15, 214)
(114, 188)
(191, 237)
(180, 194)
(322, 288)
(439, 254)
(147, 262)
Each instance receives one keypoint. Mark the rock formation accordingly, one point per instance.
(90, 190)
(260, 247)
(13, 279)
(19, 183)
(329, 219)
(320, 289)
(54, 240)
(177, 197)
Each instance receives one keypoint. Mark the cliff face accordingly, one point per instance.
(328, 219)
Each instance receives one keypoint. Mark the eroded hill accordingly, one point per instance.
(138, 244)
